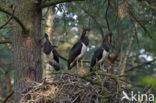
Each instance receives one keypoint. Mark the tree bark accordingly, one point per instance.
(8, 82)
(27, 48)
(49, 30)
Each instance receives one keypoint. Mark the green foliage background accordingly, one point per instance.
(71, 18)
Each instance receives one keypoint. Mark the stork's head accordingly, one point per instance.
(108, 35)
(46, 35)
(86, 30)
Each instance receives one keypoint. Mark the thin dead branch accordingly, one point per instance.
(95, 20)
(54, 2)
(8, 19)
(63, 58)
(5, 41)
(9, 95)
(7, 10)
(106, 16)
(128, 50)
(130, 12)
(139, 66)
(150, 6)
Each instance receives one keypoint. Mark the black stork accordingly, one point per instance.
(50, 53)
(78, 50)
(102, 52)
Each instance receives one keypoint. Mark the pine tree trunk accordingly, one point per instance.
(27, 48)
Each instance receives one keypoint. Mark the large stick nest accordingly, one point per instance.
(67, 88)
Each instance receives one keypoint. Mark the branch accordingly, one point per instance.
(1, 70)
(9, 95)
(128, 50)
(54, 2)
(8, 19)
(138, 66)
(106, 16)
(8, 11)
(9, 26)
(5, 41)
(6, 23)
(150, 6)
(95, 20)
(63, 58)
(130, 12)
(1, 98)
(133, 84)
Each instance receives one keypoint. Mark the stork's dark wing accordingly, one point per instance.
(47, 47)
(74, 52)
(96, 57)
(55, 65)
(56, 58)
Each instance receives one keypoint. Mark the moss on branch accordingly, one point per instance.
(5, 41)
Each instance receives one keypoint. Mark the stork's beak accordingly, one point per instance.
(109, 38)
(87, 32)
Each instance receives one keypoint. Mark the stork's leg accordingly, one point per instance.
(96, 65)
(81, 63)
(102, 67)
(96, 70)
(77, 63)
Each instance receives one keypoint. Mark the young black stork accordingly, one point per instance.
(50, 53)
(102, 52)
(78, 50)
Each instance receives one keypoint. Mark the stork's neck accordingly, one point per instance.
(85, 40)
(47, 40)
(83, 35)
(105, 44)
